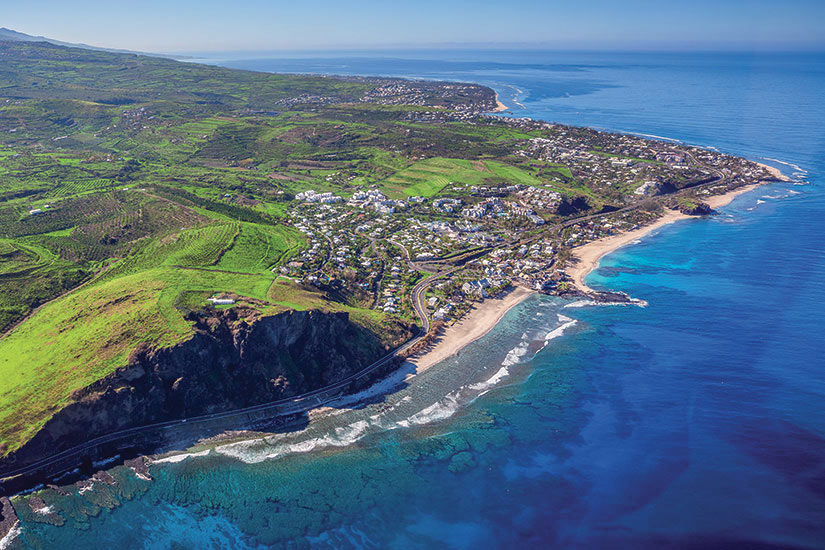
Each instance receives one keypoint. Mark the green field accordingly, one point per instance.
(70, 343)
(429, 177)
(259, 248)
(135, 187)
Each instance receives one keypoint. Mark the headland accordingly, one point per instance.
(588, 256)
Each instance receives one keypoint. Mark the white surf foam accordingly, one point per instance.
(382, 387)
(180, 457)
(6, 541)
(566, 323)
(279, 445)
(514, 355)
(246, 451)
(105, 461)
(492, 381)
(440, 410)
(790, 164)
(581, 303)
(517, 95)
(654, 136)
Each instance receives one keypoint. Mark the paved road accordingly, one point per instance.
(281, 407)
(313, 399)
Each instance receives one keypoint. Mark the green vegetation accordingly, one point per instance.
(260, 248)
(134, 188)
(147, 182)
(430, 176)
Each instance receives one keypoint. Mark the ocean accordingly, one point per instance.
(695, 422)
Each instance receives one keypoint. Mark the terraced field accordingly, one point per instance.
(133, 188)
(260, 248)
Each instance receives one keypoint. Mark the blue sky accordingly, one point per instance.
(213, 25)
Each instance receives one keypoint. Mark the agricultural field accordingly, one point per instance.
(260, 248)
(429, 177)
(134, 188)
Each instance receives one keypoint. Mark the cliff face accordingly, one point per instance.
(235, 359)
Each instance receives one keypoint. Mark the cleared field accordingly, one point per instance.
(429, 177)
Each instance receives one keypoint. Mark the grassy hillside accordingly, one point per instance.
(132, 188)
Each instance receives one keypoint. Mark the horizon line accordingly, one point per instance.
(738, 47)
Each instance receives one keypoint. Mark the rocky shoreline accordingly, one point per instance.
(236, 359)
(8, 521)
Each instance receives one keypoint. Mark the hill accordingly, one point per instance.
(15, 36)
(129, 198)
(136, 188)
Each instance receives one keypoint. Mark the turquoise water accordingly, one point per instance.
(698, 421)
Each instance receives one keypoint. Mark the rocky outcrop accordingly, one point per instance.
(8, 520)
(236, 358)
(696, 208)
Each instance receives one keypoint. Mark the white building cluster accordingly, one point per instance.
(312, 196)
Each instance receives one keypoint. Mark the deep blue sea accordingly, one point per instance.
(695, 422)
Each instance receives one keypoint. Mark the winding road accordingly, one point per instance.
(321, 396)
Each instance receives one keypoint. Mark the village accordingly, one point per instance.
(373, 249)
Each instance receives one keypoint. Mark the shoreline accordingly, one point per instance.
(589, 256)
(500, 107)
(476, 323)
(775, 172)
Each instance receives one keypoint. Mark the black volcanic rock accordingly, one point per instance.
(236, 358)
(697, 208)
(8, 518)
(570, 206)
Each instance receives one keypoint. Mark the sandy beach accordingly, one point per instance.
(718, 201)
(589, 255)
(484, 316)
(478, 322)
(774, 172)
(500, 106)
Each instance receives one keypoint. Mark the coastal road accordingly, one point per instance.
(315, 398)
(287, 406)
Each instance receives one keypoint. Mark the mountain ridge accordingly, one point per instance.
(7, 34)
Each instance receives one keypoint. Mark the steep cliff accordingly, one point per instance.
(236, 358)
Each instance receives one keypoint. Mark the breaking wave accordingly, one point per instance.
(580, 303)
(406, 412)
(181, 457)
(6, 541)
